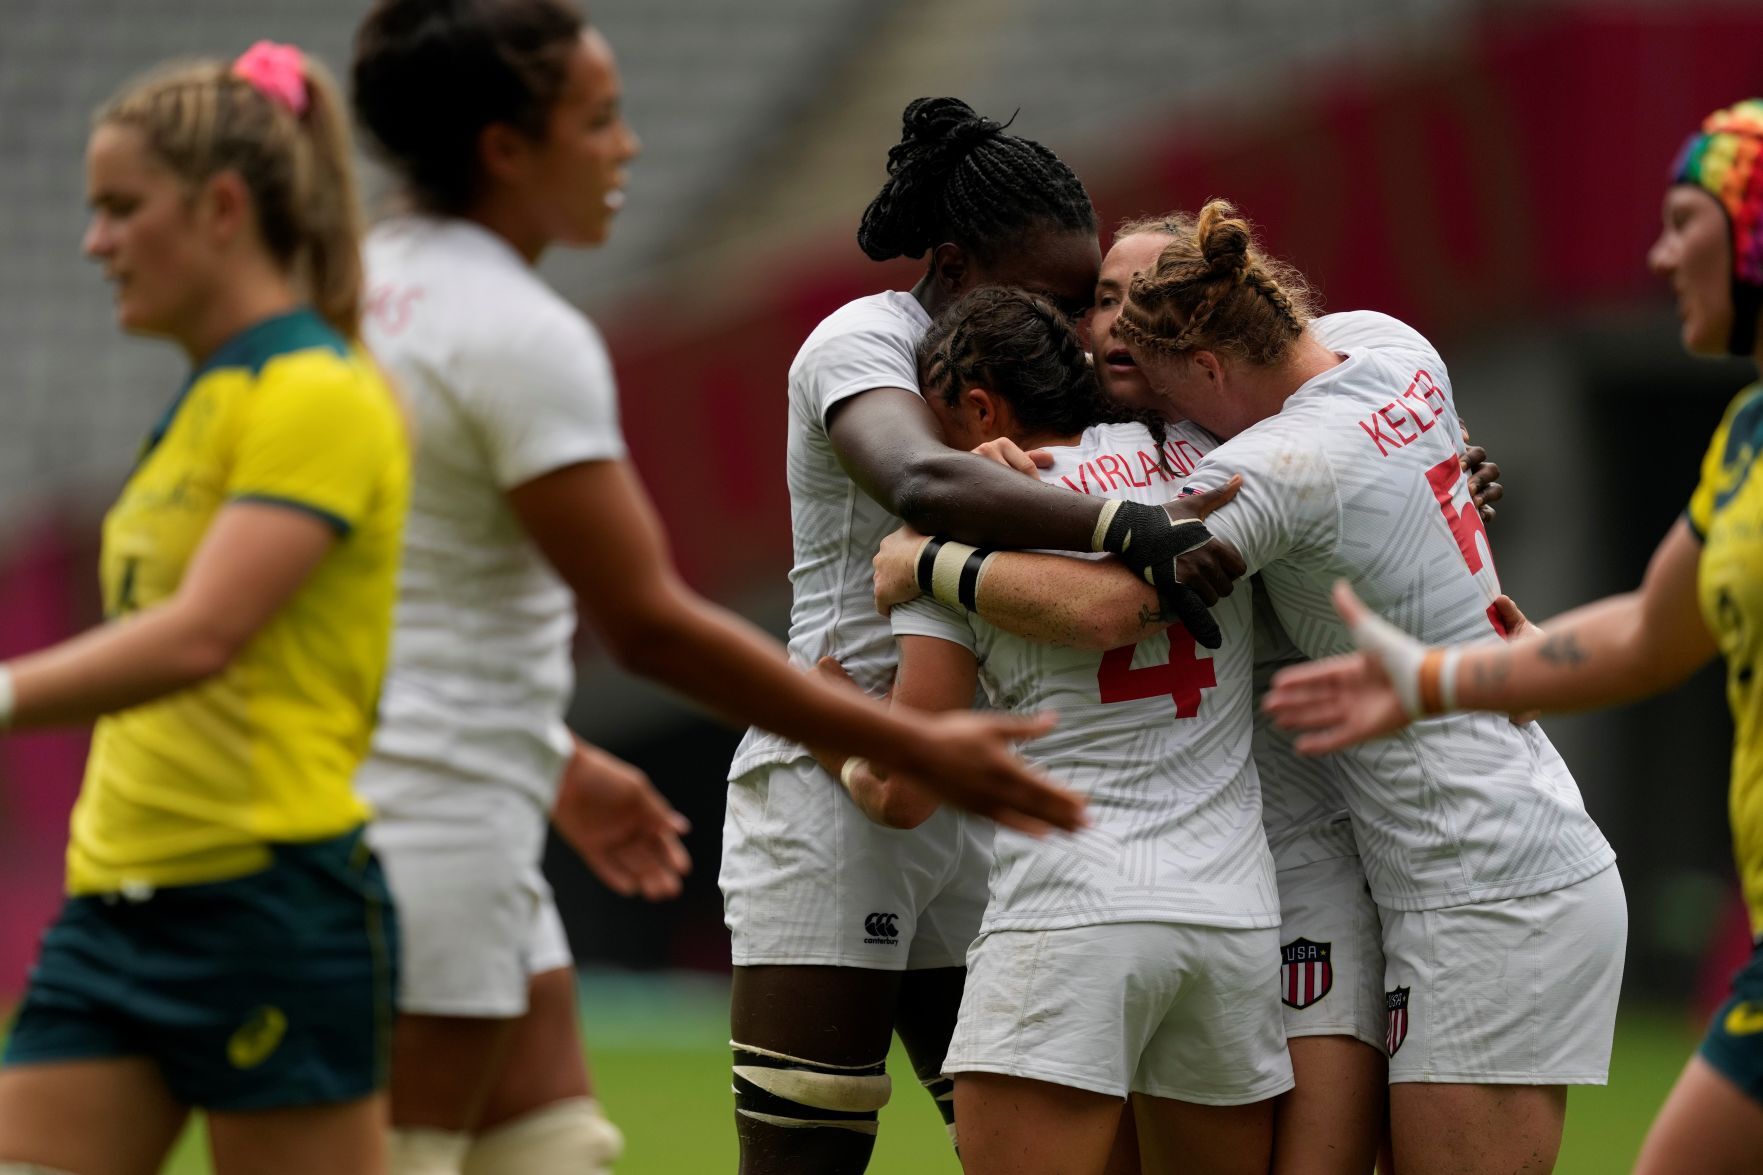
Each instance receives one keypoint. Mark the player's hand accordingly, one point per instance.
(896, 569)
(968, 759)
(624, 830)
(893, 801)
(1484, 477)
(1341, 701)
(1007, 452)
(1172, 550)
(1210, 570)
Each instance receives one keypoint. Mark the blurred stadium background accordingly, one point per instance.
(1489, 171)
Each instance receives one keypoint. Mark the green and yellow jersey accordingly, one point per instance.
(194, 787)
(1726, 512)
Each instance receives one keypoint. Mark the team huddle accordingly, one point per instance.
(1070, 533)
(1438, 911)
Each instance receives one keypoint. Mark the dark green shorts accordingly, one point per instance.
(266, 992)
(1734, 1044)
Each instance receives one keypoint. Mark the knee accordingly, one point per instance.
(571, 1135)
(794, 1092)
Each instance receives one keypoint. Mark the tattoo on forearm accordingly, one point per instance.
(1150, 617)
(1492, 674)
(1562, 650)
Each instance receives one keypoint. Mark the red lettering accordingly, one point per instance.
(1395, 422)
(1185, 456)
(1151, 469)
(390, 307)
(1110, 466)
(1427, 422)
(1374, 429)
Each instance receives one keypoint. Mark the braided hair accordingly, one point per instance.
(1020, 347)
(955, 176)
(1214, 289)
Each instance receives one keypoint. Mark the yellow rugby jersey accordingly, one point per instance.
(192, 787)
(1726, 513)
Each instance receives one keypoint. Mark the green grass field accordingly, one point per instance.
(657, 1046)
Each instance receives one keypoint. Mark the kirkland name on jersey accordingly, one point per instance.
(1359, 477)
(1155, 734)
(867, 344)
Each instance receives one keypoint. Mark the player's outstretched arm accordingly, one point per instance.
(595, 523)
(1052, 599)
(1615, 650)
(253, 559)
(934, 676)
(889, 443)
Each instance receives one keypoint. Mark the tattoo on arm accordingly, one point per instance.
(1562, 650)
(1492, 674)
(1150, 617)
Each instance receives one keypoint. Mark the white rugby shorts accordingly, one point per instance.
(1331, 966)
(807, 878)
(476, 918)
(1520, 991)
(1174, 1011)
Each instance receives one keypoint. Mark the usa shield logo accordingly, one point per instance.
(1305, 973)
(1397, 1004)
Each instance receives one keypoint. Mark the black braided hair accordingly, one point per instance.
(955, 176)
(1021, 347)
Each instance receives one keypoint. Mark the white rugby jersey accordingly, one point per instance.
(1303, 799)
(1359, 477)
(867, 344)
(506, 382)
(1156, 735)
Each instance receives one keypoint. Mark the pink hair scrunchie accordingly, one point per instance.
(278, 72)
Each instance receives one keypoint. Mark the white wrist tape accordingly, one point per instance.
(1399, 654)
(7, 697)
(849, 771)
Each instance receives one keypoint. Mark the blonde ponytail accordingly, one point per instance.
(288, 142)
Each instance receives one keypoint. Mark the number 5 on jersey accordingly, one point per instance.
(1182, 677)
(1465, 523)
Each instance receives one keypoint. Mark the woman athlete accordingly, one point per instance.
(226, 943)
(1131, 958)
(1702, 596)
(1331, 958)
(1223, 334)
(843, 931)
(501, 119)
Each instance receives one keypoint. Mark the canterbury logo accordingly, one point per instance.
(257, 1038)
(1745, 1019)
(881, 928)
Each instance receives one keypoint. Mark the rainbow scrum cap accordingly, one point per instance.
(1725, 159)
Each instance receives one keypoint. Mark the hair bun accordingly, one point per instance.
(942, 123)
(1224, 243)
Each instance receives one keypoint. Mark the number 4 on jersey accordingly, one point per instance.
(1182, 677)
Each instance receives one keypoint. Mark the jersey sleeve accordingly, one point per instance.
(1714, 462)
(547, 403)
(316, 435)
(851, 362)
(1287, 503)
(930, 617)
